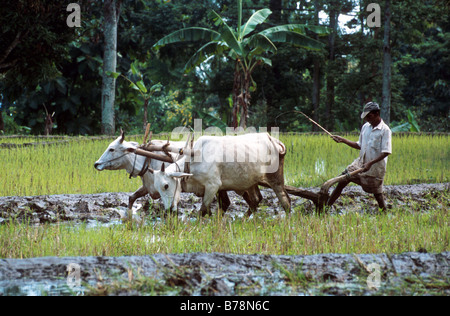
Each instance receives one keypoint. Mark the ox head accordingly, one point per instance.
(116, 155)
(168, 185)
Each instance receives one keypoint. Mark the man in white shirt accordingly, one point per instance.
(375, 145)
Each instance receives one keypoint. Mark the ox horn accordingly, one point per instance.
(163, 168)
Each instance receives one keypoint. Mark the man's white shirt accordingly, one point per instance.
(373, 142)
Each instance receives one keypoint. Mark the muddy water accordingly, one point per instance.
(219, 274)
(228, 274)
(109, 208)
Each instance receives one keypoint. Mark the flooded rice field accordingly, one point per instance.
(218, 273)
(108, 208)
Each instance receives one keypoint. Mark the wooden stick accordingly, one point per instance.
(147, 130)
(315, 123)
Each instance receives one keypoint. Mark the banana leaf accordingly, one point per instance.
(188, 34)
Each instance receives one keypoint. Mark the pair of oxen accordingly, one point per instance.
(211, 167)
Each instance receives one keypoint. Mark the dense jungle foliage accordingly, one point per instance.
(51, 74)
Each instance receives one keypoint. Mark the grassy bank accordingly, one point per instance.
(311, 160)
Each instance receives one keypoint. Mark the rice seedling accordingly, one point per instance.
(397, 231)
(67, 168)
(313, 159)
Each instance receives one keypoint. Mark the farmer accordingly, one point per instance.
(375, 145)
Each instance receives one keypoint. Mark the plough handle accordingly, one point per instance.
(324, 195)
(326, 186)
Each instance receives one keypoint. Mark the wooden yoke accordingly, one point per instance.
(151, 155)
(147, 148)
(165, 148)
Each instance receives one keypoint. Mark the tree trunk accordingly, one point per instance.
(272, 107)
(2, 125)
(316, 74)
(48, 122)
(145, 113)
(241, 96)
(334, 18)
(245, 101)
(236, 94)
(387, 61)
(275, 6)
(111, 11)
(316, 92)
(361, 94)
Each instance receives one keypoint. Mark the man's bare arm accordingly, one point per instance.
(339, 139)
(369, 165)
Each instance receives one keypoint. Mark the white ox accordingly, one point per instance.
(119, 156)
(238, 163)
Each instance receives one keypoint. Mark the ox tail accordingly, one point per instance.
(279, 145)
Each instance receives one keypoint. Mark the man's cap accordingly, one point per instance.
(369, 107)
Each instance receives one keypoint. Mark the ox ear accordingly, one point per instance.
(179, 175)
(122, 135)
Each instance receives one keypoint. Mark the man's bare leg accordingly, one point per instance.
(381, 203)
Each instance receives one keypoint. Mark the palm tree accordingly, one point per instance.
(246, 47)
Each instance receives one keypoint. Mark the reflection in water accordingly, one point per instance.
(320, 167)
(25, 287)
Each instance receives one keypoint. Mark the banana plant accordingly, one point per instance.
(139, 86)
(245, 46)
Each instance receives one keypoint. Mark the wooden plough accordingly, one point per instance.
(320, 199)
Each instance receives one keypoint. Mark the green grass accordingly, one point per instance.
(395, 232)
(311, 160)
(66, 168)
